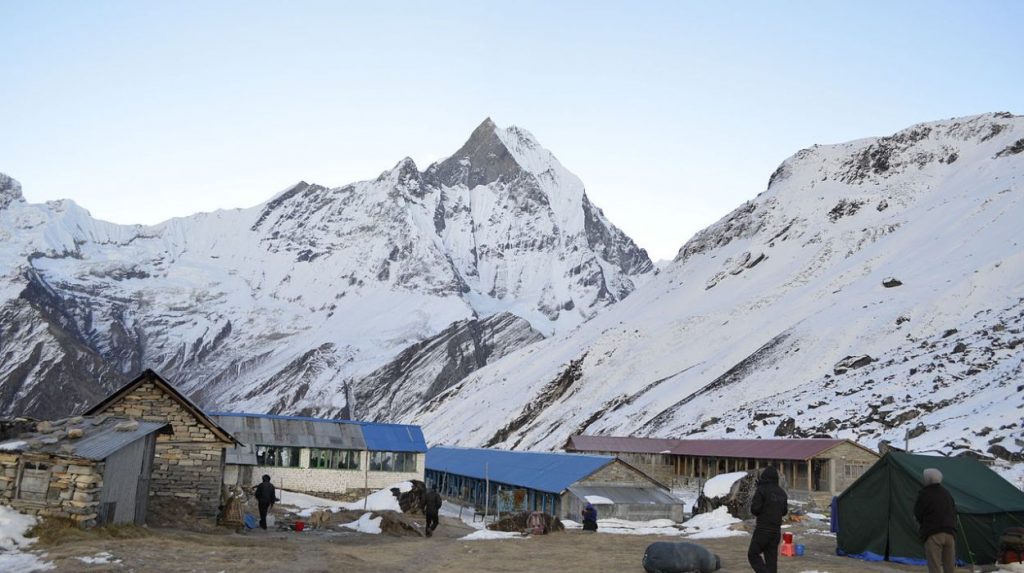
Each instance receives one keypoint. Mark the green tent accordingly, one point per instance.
(875, 515)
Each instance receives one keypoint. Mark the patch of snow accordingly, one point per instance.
(713, 524)
(365, 524)
(485, 534)
(464, 514)
(102, 557)
(381, 500)
(818, 516)
(599, 500)
(13, 446)
(307, 504)
(720, 485)
(13, 526)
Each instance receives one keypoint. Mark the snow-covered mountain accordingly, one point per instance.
(277, 307)
(875, 291)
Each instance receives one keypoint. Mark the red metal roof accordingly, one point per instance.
(621, 444)
(780, 449)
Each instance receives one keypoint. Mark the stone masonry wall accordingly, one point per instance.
(188, 466)
(74, 491)
(617, 473)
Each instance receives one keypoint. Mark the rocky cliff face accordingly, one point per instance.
(872, 291)
(279, 307)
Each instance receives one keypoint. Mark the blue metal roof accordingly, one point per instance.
(393, 437)
(543, 471)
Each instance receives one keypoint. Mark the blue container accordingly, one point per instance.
(799, 549)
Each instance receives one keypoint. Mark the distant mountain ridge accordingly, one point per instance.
(278, 308)
(874, 291)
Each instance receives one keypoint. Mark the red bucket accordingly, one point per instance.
(787, 538)
(300, 525)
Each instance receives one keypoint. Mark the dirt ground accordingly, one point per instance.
(178, 551)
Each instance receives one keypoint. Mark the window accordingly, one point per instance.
(393, 461)
(853, 470)
(333, 459)
(278, 456)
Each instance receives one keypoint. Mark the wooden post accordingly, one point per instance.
(810, 480)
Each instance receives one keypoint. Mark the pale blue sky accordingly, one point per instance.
(672, 113)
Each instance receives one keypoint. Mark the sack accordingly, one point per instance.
(681, 557)
(1012, 538)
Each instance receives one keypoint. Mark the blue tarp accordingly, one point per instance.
(542, 471)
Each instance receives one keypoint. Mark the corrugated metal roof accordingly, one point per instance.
(542, 471)
(268, 430)
(780, 449)
(304, 432)
(393, 437)
(621, 444)
(100, 437)
(626, 494)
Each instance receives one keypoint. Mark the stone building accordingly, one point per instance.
(91, 470)
(189, 463)
(812, 468)
(332, 458)
(500, 481)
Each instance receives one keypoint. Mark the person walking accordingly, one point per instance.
(935, 512)
(770, 503)
(266, 495)
(431, 505)
(589, 514)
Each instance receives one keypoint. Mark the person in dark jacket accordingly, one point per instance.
(431, 505)
(266, 495)
(770, 503)
(589, 514)
(935, 512)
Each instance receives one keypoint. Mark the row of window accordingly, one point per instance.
(324, 458)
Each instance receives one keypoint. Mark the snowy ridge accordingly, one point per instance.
(276, 307)
(872, 247)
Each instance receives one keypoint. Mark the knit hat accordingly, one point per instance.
(932, 476)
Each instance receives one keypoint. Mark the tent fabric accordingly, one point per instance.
(875, 515)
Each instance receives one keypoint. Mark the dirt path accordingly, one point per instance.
(179, 551)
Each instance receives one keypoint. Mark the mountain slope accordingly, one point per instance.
(274, 308)
(876, 247)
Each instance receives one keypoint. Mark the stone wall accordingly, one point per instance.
(618, 473)
(188, 467)
(74, 491)
(849, 463)
(658, 466)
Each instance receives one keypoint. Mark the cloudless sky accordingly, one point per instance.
(672, 113)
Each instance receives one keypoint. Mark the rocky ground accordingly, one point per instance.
(178, 551)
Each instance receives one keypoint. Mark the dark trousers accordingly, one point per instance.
(431, 521)
(763, 553)
(589, 525)
(264, 506)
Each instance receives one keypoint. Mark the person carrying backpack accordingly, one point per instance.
(770, 503)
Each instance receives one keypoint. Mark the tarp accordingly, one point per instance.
(875, 515)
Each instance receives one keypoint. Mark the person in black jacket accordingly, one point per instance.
(431, 505)
(770, 503)
(266, 495)
(935, 512)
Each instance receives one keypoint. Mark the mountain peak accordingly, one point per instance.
(482, 160)
(10, 191)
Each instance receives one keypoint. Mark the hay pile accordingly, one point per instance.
(519, 522)
(411, 501)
